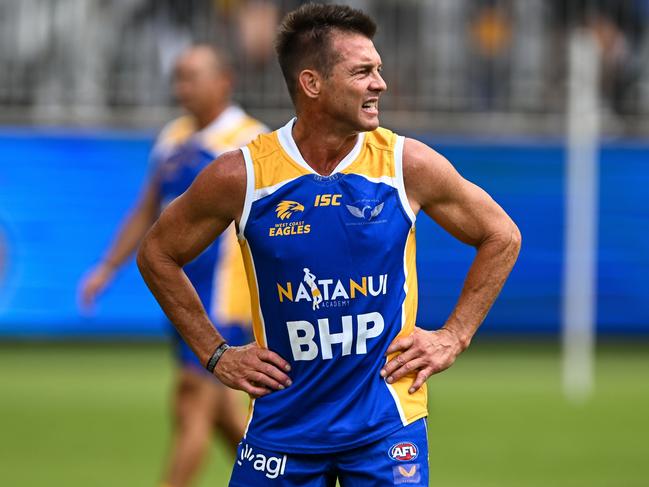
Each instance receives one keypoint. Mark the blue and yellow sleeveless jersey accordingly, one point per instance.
(180, 153)
(331, 267)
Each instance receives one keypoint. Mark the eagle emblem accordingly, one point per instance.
(286, 208)
(367, 212)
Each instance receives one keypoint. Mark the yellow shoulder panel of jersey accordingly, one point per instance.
(236, 136)
(246, 131)
(177, 131)
(376, 159)
(233, 297)
(381, 138)
(271, 164)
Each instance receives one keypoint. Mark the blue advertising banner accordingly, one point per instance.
(64, 193)
(62, 196)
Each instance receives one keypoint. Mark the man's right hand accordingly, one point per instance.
(93, 284)
(252, 369)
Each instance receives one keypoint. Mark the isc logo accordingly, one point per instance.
(404, 452)
(302, 336)
(328, 200)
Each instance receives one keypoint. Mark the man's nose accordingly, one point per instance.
(378, 83)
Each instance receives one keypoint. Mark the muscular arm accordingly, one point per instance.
(469, 214)
(124, 244)
(182, 232)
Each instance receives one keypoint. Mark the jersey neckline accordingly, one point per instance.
(286, 140)
(224, 120)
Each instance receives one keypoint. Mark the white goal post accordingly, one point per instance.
(581, 217)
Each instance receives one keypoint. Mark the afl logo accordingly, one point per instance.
(404, 452)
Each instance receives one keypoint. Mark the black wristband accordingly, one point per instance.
(216, 356)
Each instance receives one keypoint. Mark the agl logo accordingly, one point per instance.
(404, 452)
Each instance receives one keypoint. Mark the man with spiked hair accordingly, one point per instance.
(338, 389)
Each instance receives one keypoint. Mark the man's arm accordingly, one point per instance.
(470, 215)
(124, 244)
(182, 232)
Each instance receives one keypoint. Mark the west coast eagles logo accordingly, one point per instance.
(286, 208)
(288, 225)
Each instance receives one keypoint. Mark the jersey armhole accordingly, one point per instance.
(250, 187)
(401, 187)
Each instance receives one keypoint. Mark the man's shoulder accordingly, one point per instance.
(220, 188)
(177, 130)
(227, 168)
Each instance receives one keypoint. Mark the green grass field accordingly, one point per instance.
(97, 416)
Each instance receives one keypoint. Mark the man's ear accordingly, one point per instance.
(310, 82)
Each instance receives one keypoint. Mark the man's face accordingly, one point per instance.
(199, 82)
(352, 91)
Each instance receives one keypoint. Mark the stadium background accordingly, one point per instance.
(83, 89)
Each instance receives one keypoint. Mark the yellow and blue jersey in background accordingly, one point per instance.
(180, 153)
(331, 265)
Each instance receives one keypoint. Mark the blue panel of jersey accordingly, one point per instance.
(341, 402)
(176, 171)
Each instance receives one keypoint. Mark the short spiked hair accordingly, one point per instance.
(304, 38)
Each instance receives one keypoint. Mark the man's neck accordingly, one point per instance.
(206, 117)
(321, 145)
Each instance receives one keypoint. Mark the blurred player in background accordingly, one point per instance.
(213, 125)
(326, 209)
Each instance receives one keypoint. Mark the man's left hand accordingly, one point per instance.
(423, 352)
